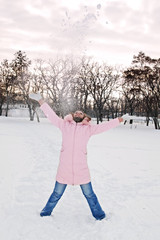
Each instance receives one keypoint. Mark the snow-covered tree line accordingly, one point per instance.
(69, 84)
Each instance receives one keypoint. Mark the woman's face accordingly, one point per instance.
(78, 116)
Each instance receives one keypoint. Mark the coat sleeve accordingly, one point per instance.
(52, 116)
(100, 128)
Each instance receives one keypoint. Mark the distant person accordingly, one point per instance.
(73, 169)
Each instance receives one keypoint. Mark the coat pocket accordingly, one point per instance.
(84, 151)
(62, 149)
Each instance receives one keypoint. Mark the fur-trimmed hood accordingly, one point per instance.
(69, 118)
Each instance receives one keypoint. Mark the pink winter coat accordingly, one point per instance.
(73, 168)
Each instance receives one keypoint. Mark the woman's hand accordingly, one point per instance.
(37, 97)
(120, 119)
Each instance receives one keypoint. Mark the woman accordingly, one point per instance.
(73, 169)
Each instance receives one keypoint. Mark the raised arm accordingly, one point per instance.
(48, 111)
(99, 128)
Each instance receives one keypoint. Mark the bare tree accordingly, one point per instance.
(58, 77)
(21, 66)
(98, 82)
(2, 96)
(142, 86)
(7, 85)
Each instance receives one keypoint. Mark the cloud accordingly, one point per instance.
(44, 29)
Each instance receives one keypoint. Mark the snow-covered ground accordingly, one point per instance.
(125, 169)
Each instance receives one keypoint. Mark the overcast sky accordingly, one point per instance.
(109, 30)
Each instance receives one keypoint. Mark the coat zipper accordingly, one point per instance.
(73, 154)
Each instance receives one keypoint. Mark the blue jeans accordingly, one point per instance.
(87, 190)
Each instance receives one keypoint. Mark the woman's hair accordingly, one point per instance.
(85, 115)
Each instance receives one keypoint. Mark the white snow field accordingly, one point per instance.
(125, 170)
